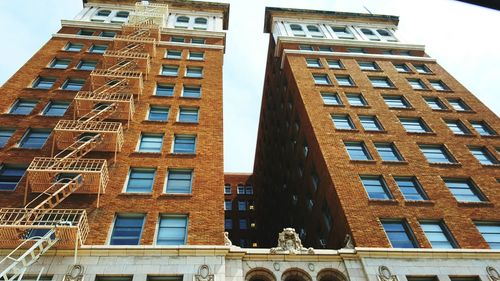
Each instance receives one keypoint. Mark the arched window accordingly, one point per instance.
(103, 13)
(370, 34)
(182, 19)
(297, 30)
(295, 274)
(387, 35)
(122, 14)
(314, 31)
(313, 28)
(330, 274)
(295, 27)
(260, 274)
(200, 21)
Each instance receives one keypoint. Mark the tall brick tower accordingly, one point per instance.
(362, 135)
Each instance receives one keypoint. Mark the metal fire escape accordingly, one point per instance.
(38, 226)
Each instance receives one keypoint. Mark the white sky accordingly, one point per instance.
(460, 36)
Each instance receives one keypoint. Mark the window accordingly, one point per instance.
(113, 278)
(179, 181)
(23, 107)
(182, 22)
(401, 67)
(370, 34)
(197, 41)
(399, 234)
(414, 125)
(242, 205)
(368, 65)
(243, 224)
(342, 32)
(174, 54)
(387, 35)
(194, 72)
(44, 83)
(60, 63)
(98, 49)
(227, 189)
(396, 102)
(490, 233)
(85, 32)
(5, 135)
(325, 49)
(10, 176)
(228, 205)
(191, 91)
(178, 39)
(410, 188)
(313, 63)
(188, 115)
(344, 80)
(122, 14)
(463, 190)
(381, 82)
(228, 224)
(184, 144)
(375, 187)
(422, 68)
(435, 104)
(73, 84)
(306, 48)
(158, 113)
(249, 190)
(335, 64)
(87, 65)
(314, 31)
(172, 230)
(439, 85)
(321, 79)
(343, 122)
(140, 180)
(127, 229)
(438, 235)
(388, 152)
(196, 55)
(164, 90)
(150, 143)
(34, 138)
(458, 105)
(357, 151)
(417, 84)
(200, 23)
(457, 127)
(73, 47)
(169, 70)
(483, 128)
(240, 189)
(436, 154)
(356, 100)
(297, 30)
(483, 155)
(356, 50)
(331, 98)
(370, 123)
(56, 108)
(109, 34)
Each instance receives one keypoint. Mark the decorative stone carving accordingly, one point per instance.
(384, 274)
(289, 243)
(276, 266)
(74, 273)
(227, 242)
(310, 266)
(204, 274)
(348, 243)
(493, 273)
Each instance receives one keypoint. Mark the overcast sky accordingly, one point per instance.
(462, 37)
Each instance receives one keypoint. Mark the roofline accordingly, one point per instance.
(269, 10)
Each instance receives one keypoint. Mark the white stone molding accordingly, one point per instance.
(492, 273)
(289, 243)
(204, 274)
(384, 274)
(348, 243)
(75, 273)
(227, 241)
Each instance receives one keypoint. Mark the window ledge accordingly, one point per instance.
(145, 194)
(394, 162)
(154, 121)
(476, 204)
(372, 70)
(363, 161)
(383, 201)
(385, 88)
(463, 135)
(466, 111)
(426, 73)
(156, 96)
(37, 89)
(168, 195)
(419, 202)
(491, 165)
(27, 149)
(193, 77)
(186, 155)
(442, 110)
(490, 136)
(424, 90)
(361, 106)
(337, 68)
(443, 91)
(146, 154)
(186, 123)
(376, 132)
(347, 130)
(171, 76)
(324, 85)
(402, 108)
(334, 105)
(422, 133)
(444, 164)
(348, 86)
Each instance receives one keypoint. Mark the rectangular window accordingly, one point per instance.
(73, 47)
(158, 113)
(164, 90)
(240, 189)
(172, 230)
(188, 115)
(458, 105)
(356, 100)
(401, 67)
(227, 189)
(173, 54)
(343, 122)
(60, 63)
(356, 50)
(179, 181)
(483, 155)
(23, 107)
(483, 128)
(357, 151)
(160, 278)
(10, 176)
(331, 99)
(388, 152)
(370, 123)
(242, 205)
(399, 234)
(422, 68)
(34, 138)
(56, 108)
(184, 144)
(410, 188)
(243, 224)
(169, 70)
(381, 82)
(72, 84)
(344, 80)
(108, 34)
(375, 187)
(178, 39)
(396, 102)
(438, 235)
(306, 48)
(228, 205)
(417, 84)
(87, 65)
(490, 233)
(414, 125)
(5, 135)
(150, 143)
(325, 49)
(98, 49)
(194, 72)
(140, 180)
(313, 63)
(335, 64)
(463, 190)
(435, 104)
(228, 224)
(86, 32)
(127, 229)
(44, 83)
(368, 65)
(249, 190)
(439, 85)
(342, 32)
(196, 55)
(191, 91)
(436, 154)
(321, 79)
(457, 127)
